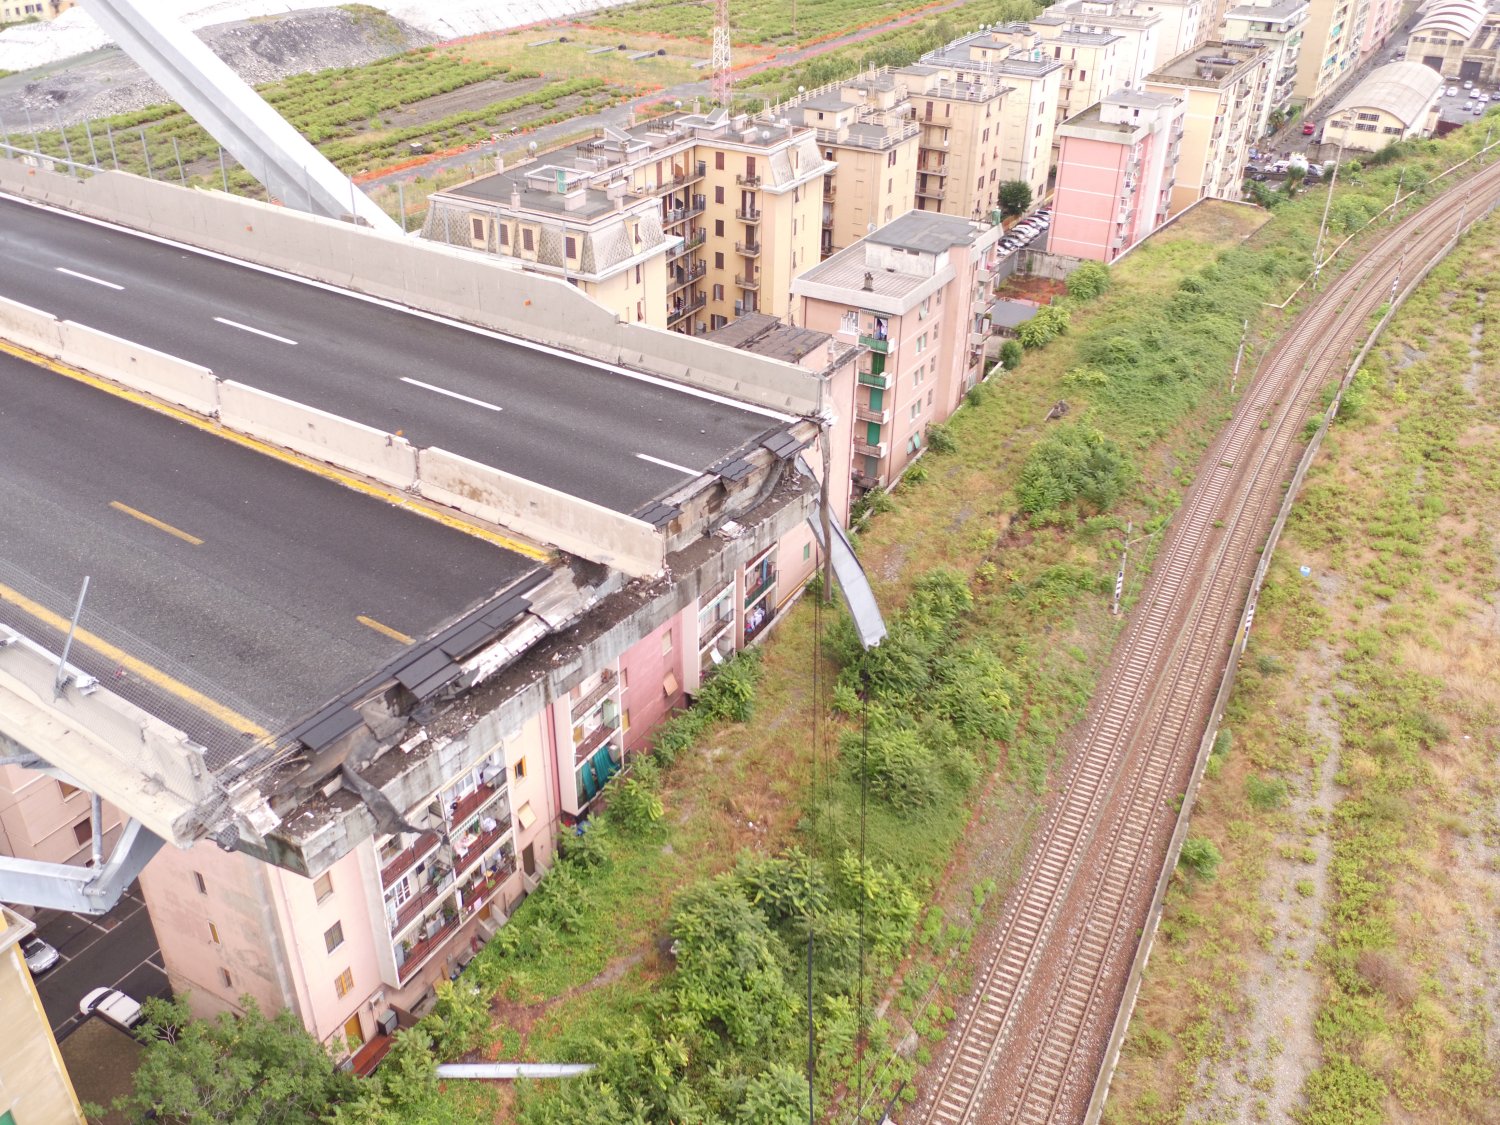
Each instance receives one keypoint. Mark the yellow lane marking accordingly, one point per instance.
(147, 672)
(371, 623)
(156, 523)
(391, 496)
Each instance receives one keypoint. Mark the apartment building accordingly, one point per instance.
(867, 131)
(1094, 62)
(34, 1083)
(1020, 146)
(916, 295)
(22, 11)
(1116, 169)
(50, 820)
(1330, 47)
(1142, 30)
(1224, 88)
(1279, 26)
(681, 223)
(1185, 25)
(963, 119)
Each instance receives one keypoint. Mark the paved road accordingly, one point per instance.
(546, 417)
(266, 606)
(117, 950)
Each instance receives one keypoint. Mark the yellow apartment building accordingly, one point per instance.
(867, 128)
(34, 1084)
(1139, 25)
(680, 223)
(1224, 87)
(1330, 46)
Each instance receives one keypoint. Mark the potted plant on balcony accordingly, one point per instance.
(450, 912)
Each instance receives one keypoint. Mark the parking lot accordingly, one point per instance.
(117, 949)
(1461, 104)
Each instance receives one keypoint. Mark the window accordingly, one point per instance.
(570, 247)
(666, 642)
(476, 229)
(67, 790)
(718, 259)
(504, 234)
(333, 937)
(890, 159)
(520, 770)
(849, 325)
(345, 983)
(806, 551)
(719, 194)
(528, 239)
(718, 228)
(718, 292)
(640, 310)
(921, 343)
(82, 832)
(213, 934)
(637, 275)
(916, 410)
(625, 719)
(225, 978)
(323, 887)
(719, 161)
(201, 885)
(625, 672)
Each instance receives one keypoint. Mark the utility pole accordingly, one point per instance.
(723, 88)
(1328, 202)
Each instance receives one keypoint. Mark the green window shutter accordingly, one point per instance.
(872, 437)
(877, 400)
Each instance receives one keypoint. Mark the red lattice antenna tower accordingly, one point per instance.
(723, 87)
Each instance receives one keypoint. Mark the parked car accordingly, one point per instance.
(39, 955)
(1468, 83)
(1479, 108)
(1468, 106)
(1309, 128)
(1451, 91)
(114, 1006)
(1255, 174)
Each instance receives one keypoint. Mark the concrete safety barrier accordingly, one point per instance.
(140, 368)
(29, 327)
(579, 527)
(350, 445)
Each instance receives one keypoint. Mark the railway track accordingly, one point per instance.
(1030, 1043)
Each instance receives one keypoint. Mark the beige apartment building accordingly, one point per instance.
(682, 223)
(915, 294)
(1224, 87)
(1185, 24)
(867, 129)
(1279, 26)
(1017, 146)
(50, 821)
(1094, 62)
(1140, 27)
(1330, 47)
(34, 1084)
(20, 11)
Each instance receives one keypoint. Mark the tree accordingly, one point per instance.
(248, 1070)
(1015, 197)
(1010, 354)
(1294, 177)
(1088, 281)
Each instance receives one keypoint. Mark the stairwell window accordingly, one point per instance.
(345, 983)
(333, 937)
(323, 887)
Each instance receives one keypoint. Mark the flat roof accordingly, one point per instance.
(764, 334)
(1215, 55)
(265, 588)
(927, 231)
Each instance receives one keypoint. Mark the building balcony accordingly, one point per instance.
(691, 176)
(686, 308)
(590, 699)
(406, 913)
(754, 593)
(473, 894)
(596, 738)
(747, 281)
(877, 379)
(421, 848)
(416, 952)
(976, 339)
(747, 181)
(830, 189)
(864, 449)
(748, 215)
(827, 222)
(672, 216)
(934, 170)
(748, 249)
(480, 843)
(879, 417)
(685, 275)
(463, 809)
(878, 344)
(931, 193)
(688, 245)
(866, 481)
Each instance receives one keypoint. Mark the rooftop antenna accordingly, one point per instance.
(723, 87)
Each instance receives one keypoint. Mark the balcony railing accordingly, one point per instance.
(935, 170)
(591, 742)
(479, 888)
(481, 844)
(754, 594)
(830, 189)
(931, 193)
(413, 908)
(590, 700)
(747, 181)
(747, 281)
(465, 808)
(404, 861)
(748, 249)
(879, 417)
(677, 312)
(426, 947)
(877, 379)
(748, 215)
(865, 480)
(677, 278)
(674, 215)
(864, 449)
(688, 245)
(879, 344)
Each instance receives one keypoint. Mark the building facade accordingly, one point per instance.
(23, 11)
(1115, 174)
(1279, 27)
(49, 820)
(1224, 88)
(915, 294)
(34, 1084)
(1458, 39)
(682, 223)
(1142, 30)
(1391, 103)
(1331, 47)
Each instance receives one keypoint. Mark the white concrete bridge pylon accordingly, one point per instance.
(271, 150)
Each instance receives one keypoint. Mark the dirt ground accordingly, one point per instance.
(101, 1061)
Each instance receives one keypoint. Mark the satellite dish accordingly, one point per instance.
(765, 134)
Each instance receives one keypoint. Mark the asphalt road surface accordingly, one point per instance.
(590, 432)
(273, 585)
(114, 950)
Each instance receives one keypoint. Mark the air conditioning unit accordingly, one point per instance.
(387, 1022)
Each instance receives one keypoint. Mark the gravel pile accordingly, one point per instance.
(108, 82)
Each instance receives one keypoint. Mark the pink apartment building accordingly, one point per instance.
(915, 294)
(1115, 172)
(356, 907)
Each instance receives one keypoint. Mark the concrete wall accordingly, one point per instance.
(316, 433)
(577, 526)
(34, 1084)
(38, 818)
(439, 279)
(29, 327)
(140, 368)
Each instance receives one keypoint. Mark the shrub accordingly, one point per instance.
(1074, 462)
(1200, 857)
(940, 438)
(1011, 353)
(1088, 281)
(731, 693)
(1050, 322)
(1265, 795)
(901, 768)
(633, 805)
